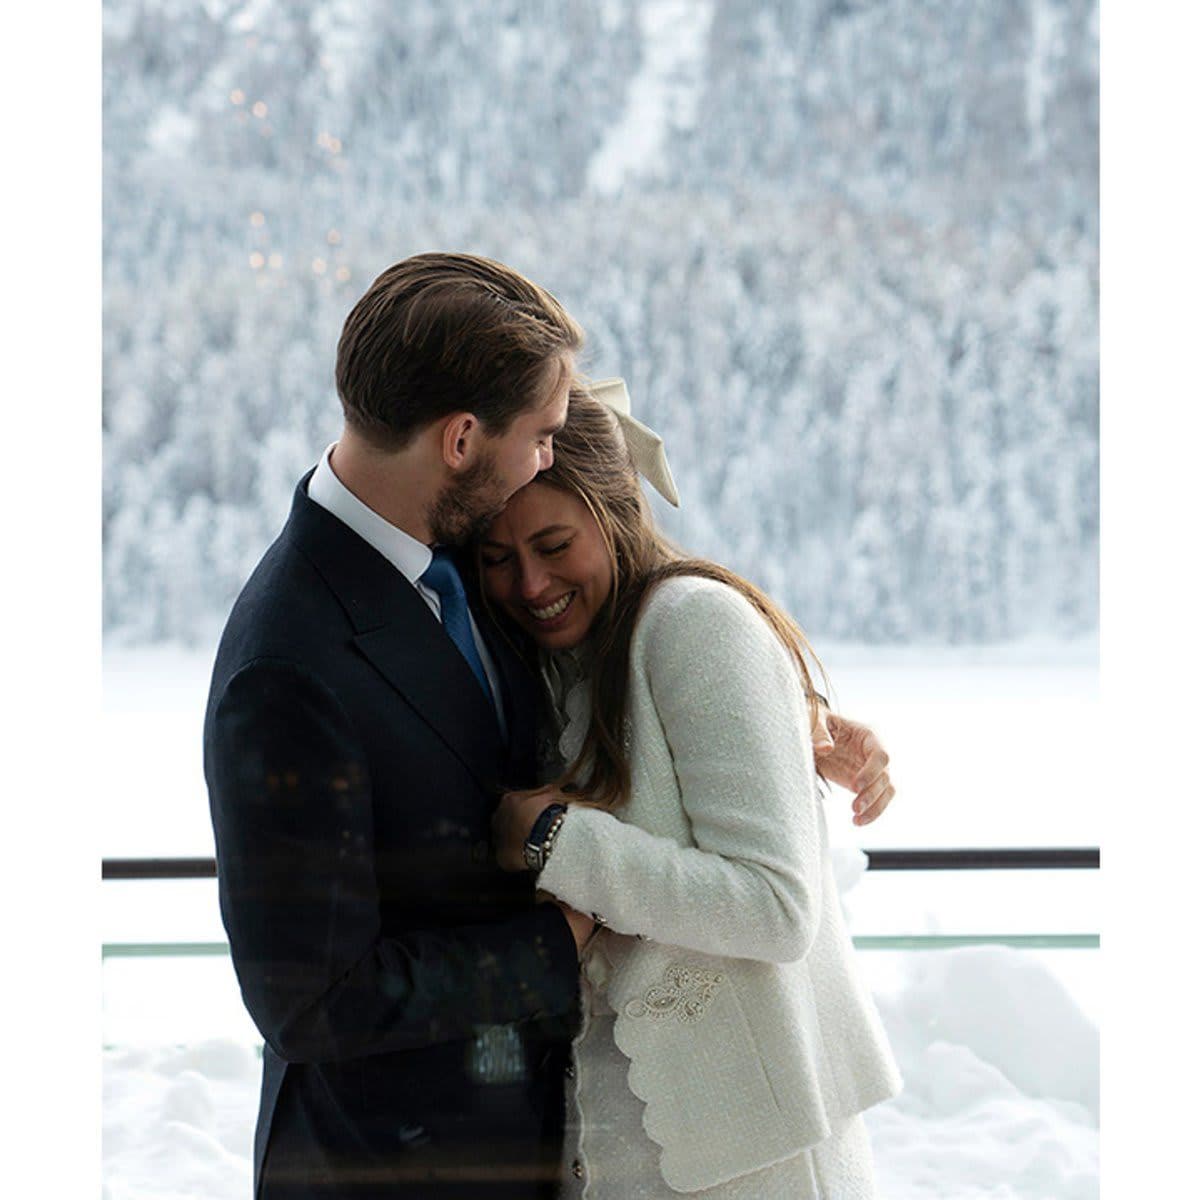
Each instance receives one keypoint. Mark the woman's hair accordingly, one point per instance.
(592, 462)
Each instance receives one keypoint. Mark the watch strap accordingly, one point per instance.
(541, 836)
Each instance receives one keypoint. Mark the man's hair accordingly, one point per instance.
(444, 333)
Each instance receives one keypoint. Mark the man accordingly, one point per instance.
(415, 1000)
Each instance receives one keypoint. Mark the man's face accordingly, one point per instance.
(510, 460)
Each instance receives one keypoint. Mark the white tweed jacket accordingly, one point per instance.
(727, 959)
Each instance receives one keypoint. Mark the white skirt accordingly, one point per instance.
(608, 1156)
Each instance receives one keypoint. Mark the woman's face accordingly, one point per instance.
(546, 565)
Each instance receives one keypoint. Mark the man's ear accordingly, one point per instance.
(461, 435)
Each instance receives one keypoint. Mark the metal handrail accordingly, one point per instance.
(1045, 858)
(158, 868)
(1051, 858)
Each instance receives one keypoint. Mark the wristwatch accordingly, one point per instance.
(541, 837)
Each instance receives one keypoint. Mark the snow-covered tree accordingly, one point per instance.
(845, 253)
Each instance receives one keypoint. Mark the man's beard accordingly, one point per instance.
(465, 508)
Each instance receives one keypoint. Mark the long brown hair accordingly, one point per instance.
(592, 462)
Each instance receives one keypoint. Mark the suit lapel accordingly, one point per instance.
(521, 692)
(395, 630)
(520, 703)
(428, 670)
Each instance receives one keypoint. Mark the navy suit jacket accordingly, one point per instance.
(353, 764)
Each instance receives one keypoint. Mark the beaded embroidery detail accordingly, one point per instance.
(684, 993)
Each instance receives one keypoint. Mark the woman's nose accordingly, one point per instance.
(533, 580)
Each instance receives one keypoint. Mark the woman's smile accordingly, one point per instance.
(546, 564)
(550, 612)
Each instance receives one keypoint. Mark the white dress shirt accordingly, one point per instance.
(409, 556)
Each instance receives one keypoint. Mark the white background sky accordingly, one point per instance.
(51, 500)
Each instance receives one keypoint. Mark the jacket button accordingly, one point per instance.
(599, 919)
(577, 1169)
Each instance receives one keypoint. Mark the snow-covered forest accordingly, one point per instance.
(844, 251)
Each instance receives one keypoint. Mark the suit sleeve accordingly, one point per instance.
(732, 707)
(292, 814)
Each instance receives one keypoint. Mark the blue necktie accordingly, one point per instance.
(443, 577)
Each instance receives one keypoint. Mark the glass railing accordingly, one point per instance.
(905, 899)
(920, 941)
(987, 980)
(1040, 902)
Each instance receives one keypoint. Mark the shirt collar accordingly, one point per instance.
(409, 556)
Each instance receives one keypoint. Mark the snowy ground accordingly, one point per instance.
(998, 1046)
(1000, 1068)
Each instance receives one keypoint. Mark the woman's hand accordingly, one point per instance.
(513, 820)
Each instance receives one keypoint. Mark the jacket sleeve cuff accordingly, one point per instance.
(567, 873)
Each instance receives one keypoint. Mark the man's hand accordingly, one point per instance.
(514, 818)
(582, 927)
(850, 755)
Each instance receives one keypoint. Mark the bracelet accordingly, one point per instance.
(551, 834)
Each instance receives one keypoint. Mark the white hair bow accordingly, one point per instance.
(645, 446)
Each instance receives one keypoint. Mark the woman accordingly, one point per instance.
(727, 1047)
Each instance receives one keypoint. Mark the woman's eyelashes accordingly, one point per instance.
(499, 560)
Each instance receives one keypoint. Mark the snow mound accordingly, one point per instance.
(1001, 1070)
(179, 1121)
(1000, 1097)
(1009, 1011)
